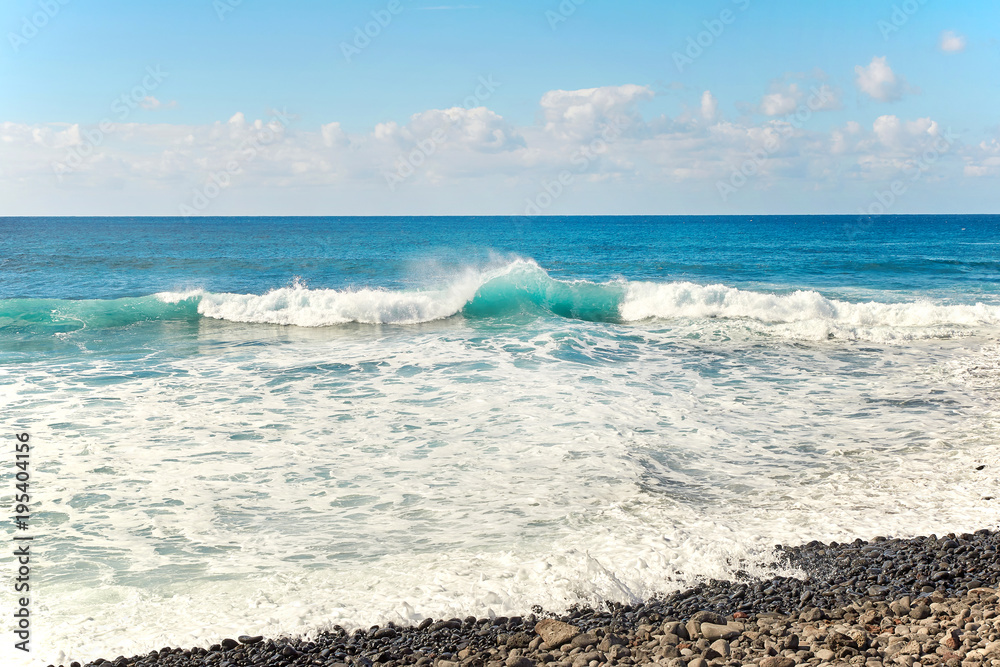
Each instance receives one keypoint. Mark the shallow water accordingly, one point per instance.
(270, 426)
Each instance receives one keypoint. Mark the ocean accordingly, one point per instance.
(275, 425)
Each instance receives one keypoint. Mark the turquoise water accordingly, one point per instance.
(106, 258)
(307, 421)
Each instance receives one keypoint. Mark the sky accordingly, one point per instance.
(489, 107)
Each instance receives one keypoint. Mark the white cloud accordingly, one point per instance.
(150, 103)
(983, 160)
(477, 129)
(823, 98)
(897, 135)
(785, 99)
(386, 131)
(333, 135)
(597, 135)
(890, 137)
(846, 139)
(952, 42)
(878, 81)
(709, 106)
(53, 135)
(585, 113)
(894, 147)
(781, 103)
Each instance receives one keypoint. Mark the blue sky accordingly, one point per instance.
(911, 96)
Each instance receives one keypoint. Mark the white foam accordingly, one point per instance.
(799, 315)
(301, 306)
(384, 475)
(806, 314)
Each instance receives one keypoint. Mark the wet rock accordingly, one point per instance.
(709, 617)
(860, 604)
(712, 631)
(675, 628)
(519, 661)
(519, 640)
(556, 633)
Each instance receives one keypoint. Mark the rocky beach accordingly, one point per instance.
(928, 600)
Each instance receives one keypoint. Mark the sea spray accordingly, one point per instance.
(516, 292)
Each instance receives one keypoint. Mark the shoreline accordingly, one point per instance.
(857, 605)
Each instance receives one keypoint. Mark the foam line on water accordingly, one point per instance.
(290, 486)
(687, 300)
(519, 291)
(522, 287)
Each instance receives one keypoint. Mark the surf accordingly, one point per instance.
(513, 292)
(67, 315)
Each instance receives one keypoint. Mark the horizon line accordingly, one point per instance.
(527, 217)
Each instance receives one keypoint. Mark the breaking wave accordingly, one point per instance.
(517, 289)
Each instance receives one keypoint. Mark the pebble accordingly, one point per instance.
(925, 600)
(556, 633)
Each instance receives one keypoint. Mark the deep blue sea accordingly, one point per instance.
(274, 425)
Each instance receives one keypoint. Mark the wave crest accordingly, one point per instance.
(513, 292)
(520, 287)
(687, 300)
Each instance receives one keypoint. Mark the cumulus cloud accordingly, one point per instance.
(899, 135)
(894, 146)
(845, 139)
(787, 98)
(52, 135)
(333, 135)
(879, 82)
(952, 42)
(597, 136)
(585, 113)
(889, 137)
(477, 129)
(983, 160)
(781, 102)
(709, 106)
